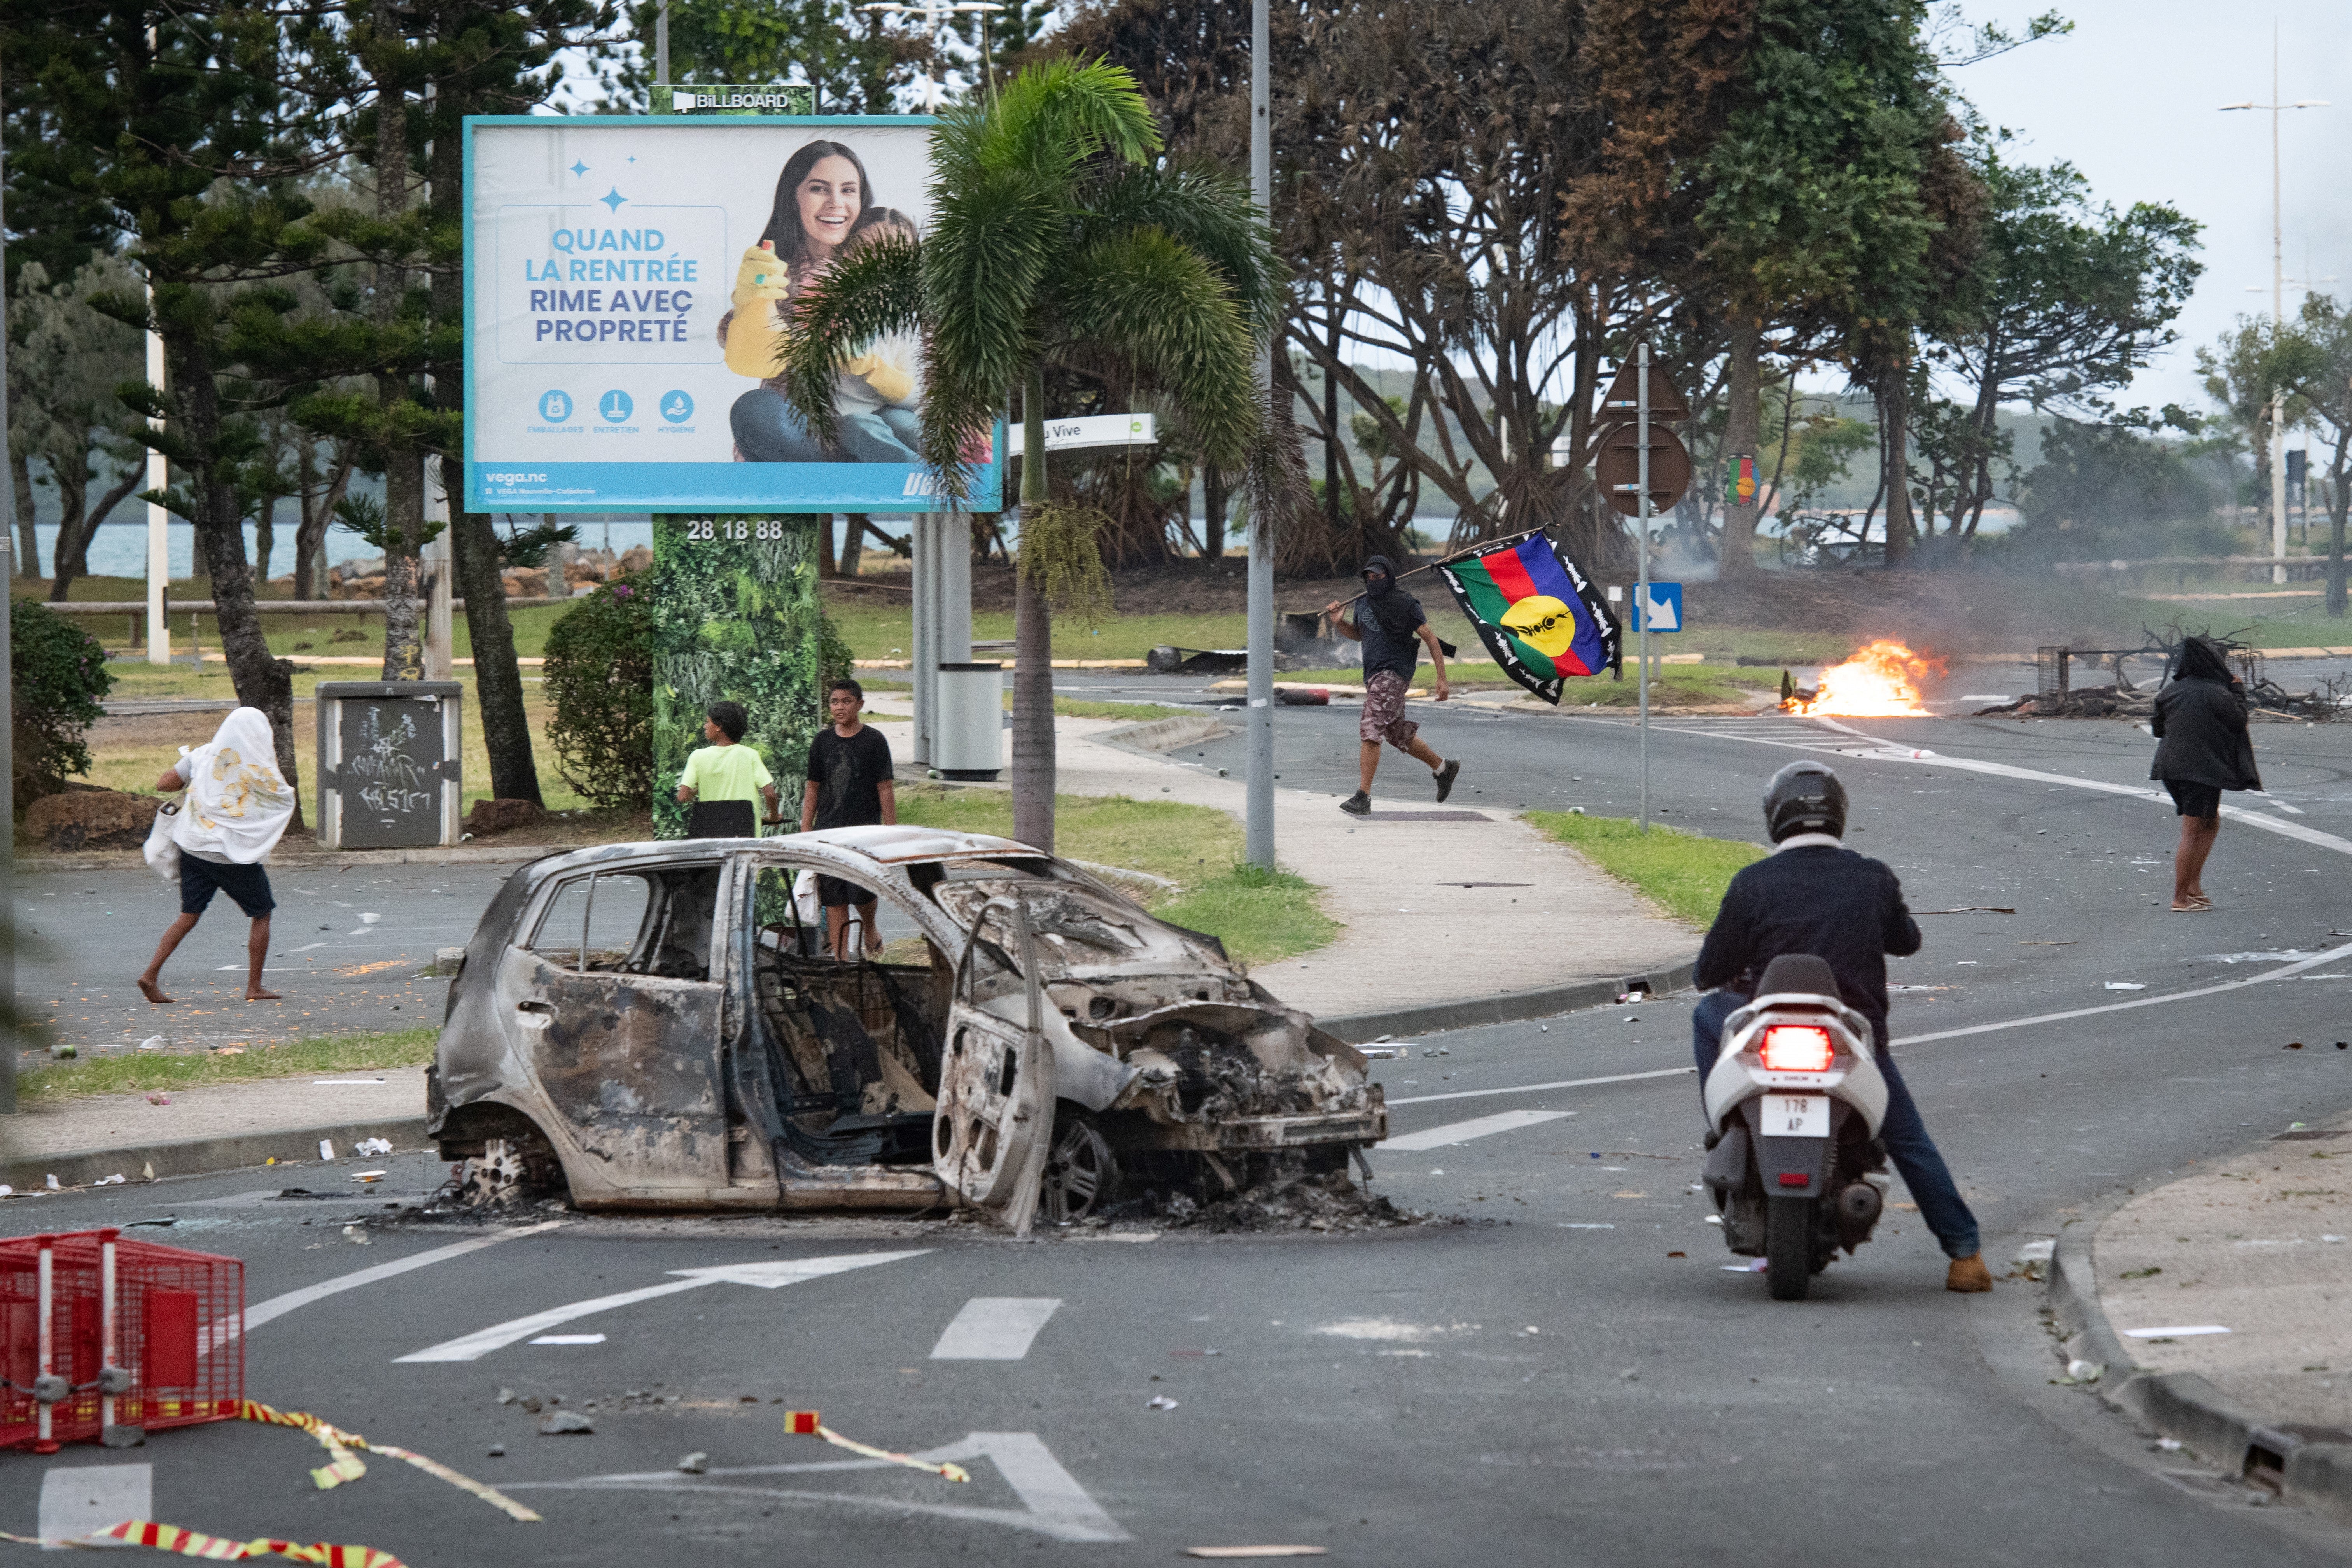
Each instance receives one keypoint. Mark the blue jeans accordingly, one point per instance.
(1904, 1134)
(886, 436)
(769, 429)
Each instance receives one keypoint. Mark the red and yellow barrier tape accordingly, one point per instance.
(806, 1423)
(219, 1548)
(343, 1464)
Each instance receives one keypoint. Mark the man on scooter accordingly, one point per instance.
(1813, 895)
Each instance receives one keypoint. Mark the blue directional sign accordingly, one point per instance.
(1664, 612)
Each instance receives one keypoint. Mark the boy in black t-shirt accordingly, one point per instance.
(850, 785)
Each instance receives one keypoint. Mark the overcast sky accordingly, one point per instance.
(2131, 97)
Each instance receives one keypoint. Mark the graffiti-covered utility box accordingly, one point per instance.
(388, 764)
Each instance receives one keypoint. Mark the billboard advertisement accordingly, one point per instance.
(628, 280)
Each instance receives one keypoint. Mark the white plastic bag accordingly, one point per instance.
(162, 851)
(805, 900)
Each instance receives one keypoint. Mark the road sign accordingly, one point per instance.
(1664, 610)
(1617, 467)
(1088, 431)
(1620, 401)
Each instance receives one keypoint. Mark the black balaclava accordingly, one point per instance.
(1393, 610)
(2201, 658)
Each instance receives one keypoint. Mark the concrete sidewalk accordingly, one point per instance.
(1439, 903)
(2245, 1264)
(2260, 1243)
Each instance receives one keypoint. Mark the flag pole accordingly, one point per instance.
(1481, 548)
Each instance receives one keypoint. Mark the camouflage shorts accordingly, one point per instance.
(1384, 717)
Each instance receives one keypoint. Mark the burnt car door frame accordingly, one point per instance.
(994, 1123)
(603, 1045)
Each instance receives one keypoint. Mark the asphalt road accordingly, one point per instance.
(1381, 1393)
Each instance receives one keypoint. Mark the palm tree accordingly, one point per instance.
(1058, 239)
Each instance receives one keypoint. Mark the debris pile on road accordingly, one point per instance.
(1287, 1197)
(2081, 702)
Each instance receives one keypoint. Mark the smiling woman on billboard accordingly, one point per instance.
(823, 207)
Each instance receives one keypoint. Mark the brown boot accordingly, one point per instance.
(1969, 1275)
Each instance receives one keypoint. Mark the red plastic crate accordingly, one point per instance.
(168, 1323)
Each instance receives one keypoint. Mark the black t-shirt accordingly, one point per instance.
(849, 774)
(1399, 653)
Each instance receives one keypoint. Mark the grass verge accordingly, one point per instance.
(1141, 713)
(1260, 915)
(152, 1070)
(1684, 873)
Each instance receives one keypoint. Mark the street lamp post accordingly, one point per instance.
(2278, 306)
(1258, 832)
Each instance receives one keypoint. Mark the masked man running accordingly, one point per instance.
(1813, 895)
(1387, 625)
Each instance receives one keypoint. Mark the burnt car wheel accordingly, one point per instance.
(1081, 1172)
(511, 1171)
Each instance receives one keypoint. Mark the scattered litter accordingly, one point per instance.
(1257, 1551)
(564, 1423)
(326, 1149)
(1677, 1255)
(2295, 1045)
(1753, 1266)
(153, 1043)
(63, 1051)
(368, 1176)
(53, 1182)
(1386, 1053)
(115, 1180)
(809, 1423)
(157, 1097)
(229, 1051)
(370, 1148)
(568, 1339)
(496, 1450)
(2087, 1370)
(1383, 1039)
(1715, 1219)
(507, 1396)
(345, 1465)
(1543, 1028)
(2179, 1333)
(356, 1233)
(1533, 1329)
(694, 1464)
(2126, 986)
(370, 920)
(1161, 1402)
(2326, 1238)
(6, 1190)
(2167, 1445)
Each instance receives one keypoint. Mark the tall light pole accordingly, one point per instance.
(2278, 305)
(1257, 836)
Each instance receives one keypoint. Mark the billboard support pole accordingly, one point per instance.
(1641, 604)
(1258, 832)
(924, 663)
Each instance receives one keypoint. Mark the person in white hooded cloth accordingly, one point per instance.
(237, 809)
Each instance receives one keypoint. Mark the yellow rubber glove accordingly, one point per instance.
(759, 276)
(755, 342)
(891, 384)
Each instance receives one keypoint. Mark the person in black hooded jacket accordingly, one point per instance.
(2204, 749)
(1388, 623)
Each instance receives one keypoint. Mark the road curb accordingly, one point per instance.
(1511, 1007)
(207, 1156)
(1157, 735)
(2186, 1407)
(453, 855)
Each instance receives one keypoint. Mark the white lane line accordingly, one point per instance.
(1463, 1131)
(768, 1275)
(1535, 1087)
(1888, 754)
(568, 1339)
(994, 1328)
(78, 1499)
(1053, 1502)
(2330, 956)
(260, 1312)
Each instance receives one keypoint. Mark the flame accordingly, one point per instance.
(1880, 681)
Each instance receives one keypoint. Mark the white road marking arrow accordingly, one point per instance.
(767, 1276)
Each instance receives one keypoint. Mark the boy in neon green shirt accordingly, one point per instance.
(726, 780)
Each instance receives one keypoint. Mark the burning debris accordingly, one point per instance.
(2057, 696)
(1879, 682)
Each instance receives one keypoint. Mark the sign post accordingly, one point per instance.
(1661, 472)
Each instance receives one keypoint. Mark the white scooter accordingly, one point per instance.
(1794, 1103)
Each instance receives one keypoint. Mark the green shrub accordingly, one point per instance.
(60, 674)
(599, 681)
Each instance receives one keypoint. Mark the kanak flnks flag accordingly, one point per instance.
(1538, 615)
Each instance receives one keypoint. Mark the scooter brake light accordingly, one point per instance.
(1798, 1047)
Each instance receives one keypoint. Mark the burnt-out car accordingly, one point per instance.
(660, 1026)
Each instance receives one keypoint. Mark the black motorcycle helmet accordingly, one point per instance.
(1804, 797)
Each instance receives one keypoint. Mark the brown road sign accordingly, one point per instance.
(1620, 401)
(1617, 467)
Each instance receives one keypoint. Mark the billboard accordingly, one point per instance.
(627, 281)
